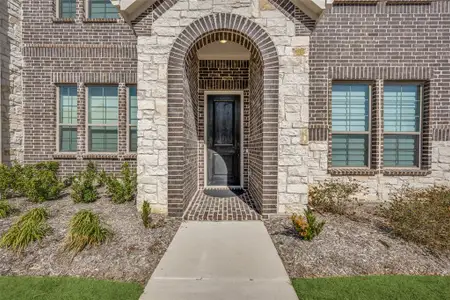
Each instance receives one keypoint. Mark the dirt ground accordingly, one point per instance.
(131, 255)
(349, 247)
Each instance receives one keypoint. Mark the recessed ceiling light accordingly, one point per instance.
(223, 41)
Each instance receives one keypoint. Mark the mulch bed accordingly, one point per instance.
(131, 255)
(350, 247)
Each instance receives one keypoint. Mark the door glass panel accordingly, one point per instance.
(223, 123)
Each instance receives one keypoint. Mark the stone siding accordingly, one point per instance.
(153, 54)
(11, 80)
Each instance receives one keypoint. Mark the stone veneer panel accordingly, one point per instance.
(292, 50)
(11, 80)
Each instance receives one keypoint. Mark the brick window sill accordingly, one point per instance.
(351, 172)
(406, 172)
(101, 20)
(63, 20)
(65, 155)
(112, 156)
(130, 156)
(409, 1)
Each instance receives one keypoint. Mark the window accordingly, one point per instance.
(103, 108)
(102, 9)
(132, 118)
(402, 125)
(67, 118)
(350, 125)
(67, 9)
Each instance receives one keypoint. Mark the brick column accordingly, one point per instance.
(81, 120)
(122, 129)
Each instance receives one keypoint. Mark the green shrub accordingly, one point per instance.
(5, 209)
(40, 184)
(421, 216)
(122, 189)
(86, 229)
(307, 226)
(6, 182)
(146, 217)
(83, 185)
(31, 227)
(333, 196)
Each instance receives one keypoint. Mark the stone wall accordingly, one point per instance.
(292, 50)
(11, 80)
(381, 42)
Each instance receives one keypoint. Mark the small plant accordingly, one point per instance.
(146, 217)
(40, 182)
(5, 182)
(421, 216)
(31, 227)
(86, 229)
(83, 185)
(334, 196)
(307, 226)
(122, 189)
(5, 209)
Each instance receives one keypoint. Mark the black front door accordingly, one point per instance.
(223, 140)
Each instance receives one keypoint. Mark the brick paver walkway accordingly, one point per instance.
(204, 207)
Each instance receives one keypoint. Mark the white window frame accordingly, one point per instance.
(368, 132)
(88, 125)
(58, 114)
(420, 85)
(129, 126)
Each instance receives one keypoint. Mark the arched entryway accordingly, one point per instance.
(186, 102)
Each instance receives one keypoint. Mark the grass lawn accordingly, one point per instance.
(66, 288)
(373, 288)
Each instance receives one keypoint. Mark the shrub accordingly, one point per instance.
(31, 227)
(5, 209)
(146, 217)
(86, 229)
(39, 184)
(83, 185)
(5, 182)
(333, 196)
(307, 226)
(122, 189)
(421, 216)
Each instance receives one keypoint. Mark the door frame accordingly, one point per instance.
(205, 138)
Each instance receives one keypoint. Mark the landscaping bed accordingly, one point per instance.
(131, 255)
(350, 246)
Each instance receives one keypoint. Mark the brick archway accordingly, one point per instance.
(181, 129)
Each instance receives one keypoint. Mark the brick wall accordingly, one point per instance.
(191, 121)
(379, 42)
(11, 80)
(78, 51)
(255, 150)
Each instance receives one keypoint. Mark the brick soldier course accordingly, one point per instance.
(295, 57)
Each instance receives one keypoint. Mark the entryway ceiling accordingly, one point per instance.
(225, 51)
(131, 9)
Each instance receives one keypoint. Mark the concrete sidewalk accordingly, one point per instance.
(220, 260)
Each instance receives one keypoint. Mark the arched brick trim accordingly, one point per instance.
(252, 36)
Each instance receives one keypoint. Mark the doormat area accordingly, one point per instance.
(223, 193)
